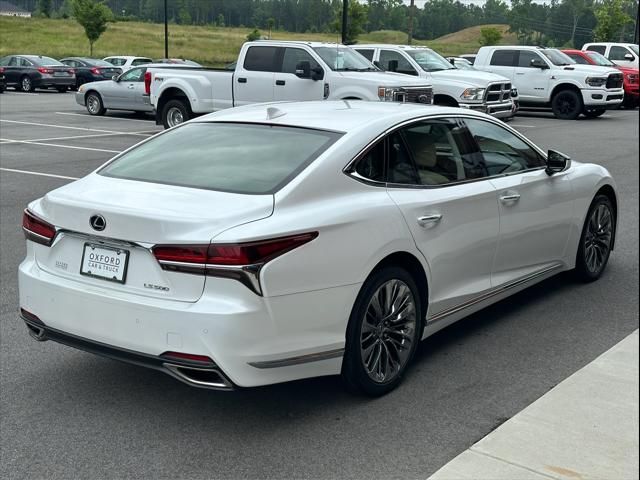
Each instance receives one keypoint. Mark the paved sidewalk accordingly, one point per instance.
(584, 428)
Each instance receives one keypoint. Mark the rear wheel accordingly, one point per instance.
(596, 112)
(567, 105)
(26, 85)
(596, 239)
(94, 104)
(383, 332)
(174, 113)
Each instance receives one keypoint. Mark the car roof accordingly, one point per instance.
(338, 115)
(127, 57)
(391, 45)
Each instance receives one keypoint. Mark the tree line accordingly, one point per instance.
(556, 23)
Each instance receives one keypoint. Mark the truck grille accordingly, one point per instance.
(614, 80)
(498, 92)
(414, 95)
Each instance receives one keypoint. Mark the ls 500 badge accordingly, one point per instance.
(160, 288)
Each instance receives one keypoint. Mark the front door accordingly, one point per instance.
(449, 207)
(288, 85)
(532, 82)
(535, 208)
(123, 93)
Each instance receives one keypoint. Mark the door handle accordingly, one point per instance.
(242, 80)
(430, 219)
(131, 87)
(512, 197)
(280, 82)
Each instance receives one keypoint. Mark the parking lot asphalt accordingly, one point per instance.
(68, 414)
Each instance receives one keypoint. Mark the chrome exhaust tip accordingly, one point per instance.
(210, 378)
(36, 333)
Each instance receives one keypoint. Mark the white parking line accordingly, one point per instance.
(19, 93)
(103, 117)
(8, 141)
(27, 172)
(86, 129)
(80, 137)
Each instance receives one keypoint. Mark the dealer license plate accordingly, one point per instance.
(106, 263)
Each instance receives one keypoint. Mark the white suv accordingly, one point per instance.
(623, 54)
(547, 78)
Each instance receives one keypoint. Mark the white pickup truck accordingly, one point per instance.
(269, 71)
(547, 78)
(472, 89)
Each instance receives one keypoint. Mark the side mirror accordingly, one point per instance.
(538, 63)
(303, 69)
(393, 65)
(629, 57)
(317, 73)
(452, 62)
(115, 78)
(557, 162)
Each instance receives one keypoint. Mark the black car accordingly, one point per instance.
(3, 84)
(28, 72)
(91, 69)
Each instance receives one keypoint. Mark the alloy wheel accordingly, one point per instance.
(597, 241)
(388, 331)
(26, 84)
(93, 104)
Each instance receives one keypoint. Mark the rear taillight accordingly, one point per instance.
(96, 71)
(1, 69)
(37, 230)
(45, 70)
(147, 83)
(241, 261)
(72, 71)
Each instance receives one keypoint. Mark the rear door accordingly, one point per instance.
(532, 82)
(254, 80)
(503, 63)
(535, 208)
(449, 207)
(288, 85)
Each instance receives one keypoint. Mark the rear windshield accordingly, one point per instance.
(98, 63)
(228, 157)
(46, 61)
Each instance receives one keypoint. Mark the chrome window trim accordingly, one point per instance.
(349, 169)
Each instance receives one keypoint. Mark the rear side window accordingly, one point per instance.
(597, 48)
(371, 164)
(504, 58)
(227, 157)
(261, 59)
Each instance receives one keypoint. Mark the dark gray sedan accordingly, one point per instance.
(28, 72)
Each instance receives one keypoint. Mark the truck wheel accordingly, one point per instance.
(596, 112)
(567, 105)
(174, 113)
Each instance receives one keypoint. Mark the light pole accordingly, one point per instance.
(166, 32)
(345, 16)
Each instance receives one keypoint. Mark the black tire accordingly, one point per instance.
(175, 112)
(26, 84)
(62, 89)
(94, 104)
(567, 105)
(585, 270)
(383, 340)
(596, 112)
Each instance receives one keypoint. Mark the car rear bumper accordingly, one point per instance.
(55, 82)
(251, 340)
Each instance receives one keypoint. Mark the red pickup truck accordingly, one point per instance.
(630, 75)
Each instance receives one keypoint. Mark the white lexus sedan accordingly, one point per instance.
(276, 242)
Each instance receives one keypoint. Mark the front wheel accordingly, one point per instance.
(384, 329)
(567, 105)
(94, 104)
(596, 239)
(174, 113)
(596, 112)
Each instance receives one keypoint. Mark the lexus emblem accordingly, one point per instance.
(98, 222)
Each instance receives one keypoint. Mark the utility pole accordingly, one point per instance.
(345, 18)
(166, 31)
(635, 33)
(410, 35)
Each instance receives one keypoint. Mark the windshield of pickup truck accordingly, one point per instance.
(343, 59)
(600, 59)
(429, 60)
(227, 157)
(557, 57)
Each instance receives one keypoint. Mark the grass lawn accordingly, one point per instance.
(211, 46)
